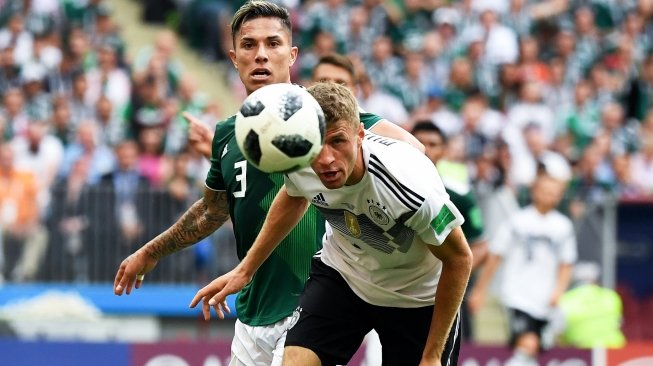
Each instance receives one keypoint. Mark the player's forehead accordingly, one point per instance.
(262, 28)
(333, 73)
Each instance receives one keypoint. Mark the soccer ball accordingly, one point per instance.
(280, 128)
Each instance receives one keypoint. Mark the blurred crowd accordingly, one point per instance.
(564, 80)
(93, 148)
(511, 82)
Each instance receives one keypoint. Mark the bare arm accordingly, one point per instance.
(284, 214)
(479, 253)
(562, 282)
(198, 222)
(389, 129)
(477, 297)
(456, 260)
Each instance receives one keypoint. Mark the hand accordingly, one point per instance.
(555, 298)
(200, 135)
(215, 293)
(132, 271)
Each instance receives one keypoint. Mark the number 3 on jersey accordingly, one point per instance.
(242, 178)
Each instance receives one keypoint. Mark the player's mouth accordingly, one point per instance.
(260, 74)
(329, 176)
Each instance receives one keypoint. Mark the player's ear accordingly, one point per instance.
(232, 56)
(294, 51)
(361, 131)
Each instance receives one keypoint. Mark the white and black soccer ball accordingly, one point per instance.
(280, 128)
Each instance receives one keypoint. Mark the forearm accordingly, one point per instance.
(198, 222)
(564, 277)
(448, 298)
(456, 260)
(283, 216)
(487, 272)
(479, 253)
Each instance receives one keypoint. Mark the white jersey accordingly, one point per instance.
(533, 246)
(379, 229)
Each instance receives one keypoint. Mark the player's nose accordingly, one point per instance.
(261, 54)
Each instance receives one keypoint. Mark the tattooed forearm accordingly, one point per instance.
(199, 221)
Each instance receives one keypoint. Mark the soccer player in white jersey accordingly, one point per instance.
(538, 247)
(394, 257)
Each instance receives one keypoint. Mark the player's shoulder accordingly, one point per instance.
(369, 120)
(398, 160)
(226, 125)
(224, 130)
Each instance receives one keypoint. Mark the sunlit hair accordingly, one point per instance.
(337, 102)
(259, 9)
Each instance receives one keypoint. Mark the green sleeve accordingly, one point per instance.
(224, 131)
(369, 120)
(473, 225)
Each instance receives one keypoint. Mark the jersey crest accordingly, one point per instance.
(377, 213)
(352, 224)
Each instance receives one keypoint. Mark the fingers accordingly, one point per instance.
(117, 287)
(139, 281)
(190, 118)
(217, 301)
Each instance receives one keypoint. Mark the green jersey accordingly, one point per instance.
(274, 291)
(456, 181)
(466, 204)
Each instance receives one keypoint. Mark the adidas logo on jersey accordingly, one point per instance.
(319, 200)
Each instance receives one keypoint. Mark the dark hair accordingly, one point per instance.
(254, 9)
(340, 61)
(428, 126)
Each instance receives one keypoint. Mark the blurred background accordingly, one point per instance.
(94, 158)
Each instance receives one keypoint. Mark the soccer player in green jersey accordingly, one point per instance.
(263, 54)
(455, 179)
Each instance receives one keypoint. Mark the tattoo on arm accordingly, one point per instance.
(199, 221)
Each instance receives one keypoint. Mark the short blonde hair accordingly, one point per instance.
(337, 102)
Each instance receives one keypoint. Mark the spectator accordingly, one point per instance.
(15, 36)
(37, 100)
(41, 154)
(538, 265)
(86, 145)
(108, 79)
(25, 239)
(111, 128)
(376, 101)
(152, 163)
(592, 314)
(641, 167)
(13, 112)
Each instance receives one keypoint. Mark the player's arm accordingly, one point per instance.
(479, 253)
(283, 216)
(198, 222)
(479, 292)
(456, 260)
(389, 129)
(562, 282)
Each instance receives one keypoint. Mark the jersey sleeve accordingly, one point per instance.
(214, 179)
(437, 217)
(369, 120)
(291, 187)
(473, 225)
